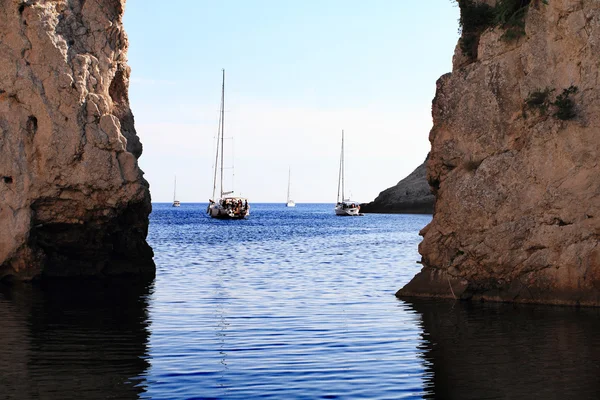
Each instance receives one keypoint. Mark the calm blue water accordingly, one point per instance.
(289, 304)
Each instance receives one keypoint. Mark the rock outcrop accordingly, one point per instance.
(514, 164)
(411, 195)
(73, 201)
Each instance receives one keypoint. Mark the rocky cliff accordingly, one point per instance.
(411, 195)
(73, 201)
(514, 159)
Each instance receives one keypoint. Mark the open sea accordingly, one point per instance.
(292, 303)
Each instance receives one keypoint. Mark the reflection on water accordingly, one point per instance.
(502, 351)
(302, 308)
(83, 341)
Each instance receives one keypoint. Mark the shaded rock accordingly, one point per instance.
(411, 195)
(517, 186)
(73, 201)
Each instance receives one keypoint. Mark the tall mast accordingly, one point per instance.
(289, 178)
(175, 189)
(222, 127)
(216, 159)
(340, 176)
(343, 195)
(217, 155)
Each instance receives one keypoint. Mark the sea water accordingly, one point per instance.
(292, 303)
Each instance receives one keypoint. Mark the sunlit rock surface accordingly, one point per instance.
(411, 195)
(517, 215)
(73, 201)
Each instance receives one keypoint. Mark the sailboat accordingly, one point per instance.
(344, 207)
(227, 206)
(176, 202)
(290, 202)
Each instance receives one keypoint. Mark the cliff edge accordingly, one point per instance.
(411, 195)
(514, 158)
(73, 201)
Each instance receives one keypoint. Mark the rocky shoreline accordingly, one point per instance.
(73, 200)
(514, 161)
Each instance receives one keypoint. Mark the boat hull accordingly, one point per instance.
(290, 204)
(219, 212)
(347, 212)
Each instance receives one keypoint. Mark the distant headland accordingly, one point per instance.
(411, 195)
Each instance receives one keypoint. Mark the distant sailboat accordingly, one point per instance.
(344, 207)
(176, 202)
(290, 202)
(227, 206)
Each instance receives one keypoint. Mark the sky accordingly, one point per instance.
(298, 72)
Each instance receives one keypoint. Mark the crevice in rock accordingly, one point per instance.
(560, 222)
(472, 165)
(7, 179)
(535, 248)
(435, 184)
(32, 125)
(118, 88)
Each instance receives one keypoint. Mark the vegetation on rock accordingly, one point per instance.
(476, 17)
(564, 105)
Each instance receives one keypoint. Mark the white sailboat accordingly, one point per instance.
(290, 202)
(227, 206)
(176, 202)
(344, 207)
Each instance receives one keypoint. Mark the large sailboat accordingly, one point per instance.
(227, 206)
(290, 202)
(176, 202)
(344, 207)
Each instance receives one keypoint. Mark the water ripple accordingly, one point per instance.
(288, 304)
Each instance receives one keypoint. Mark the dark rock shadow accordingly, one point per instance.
(504, 351)
(74, 340)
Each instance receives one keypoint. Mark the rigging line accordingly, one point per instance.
(340, 171)
(222, 127)
(216, 159)
(343, 172)
(232, 165)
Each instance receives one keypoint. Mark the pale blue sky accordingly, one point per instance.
(297, 73)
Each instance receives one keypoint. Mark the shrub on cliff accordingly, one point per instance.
(563, 104)
(476, 17)
(539, 100)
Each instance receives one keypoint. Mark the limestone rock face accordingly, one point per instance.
(73, 201)
(411, 195)
(517, 214)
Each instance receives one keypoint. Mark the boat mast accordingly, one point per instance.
(219, 133)
(216, 159)
(289, 178)
(222, 127)
(340, 175)
(175, 190)
(343, 196)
